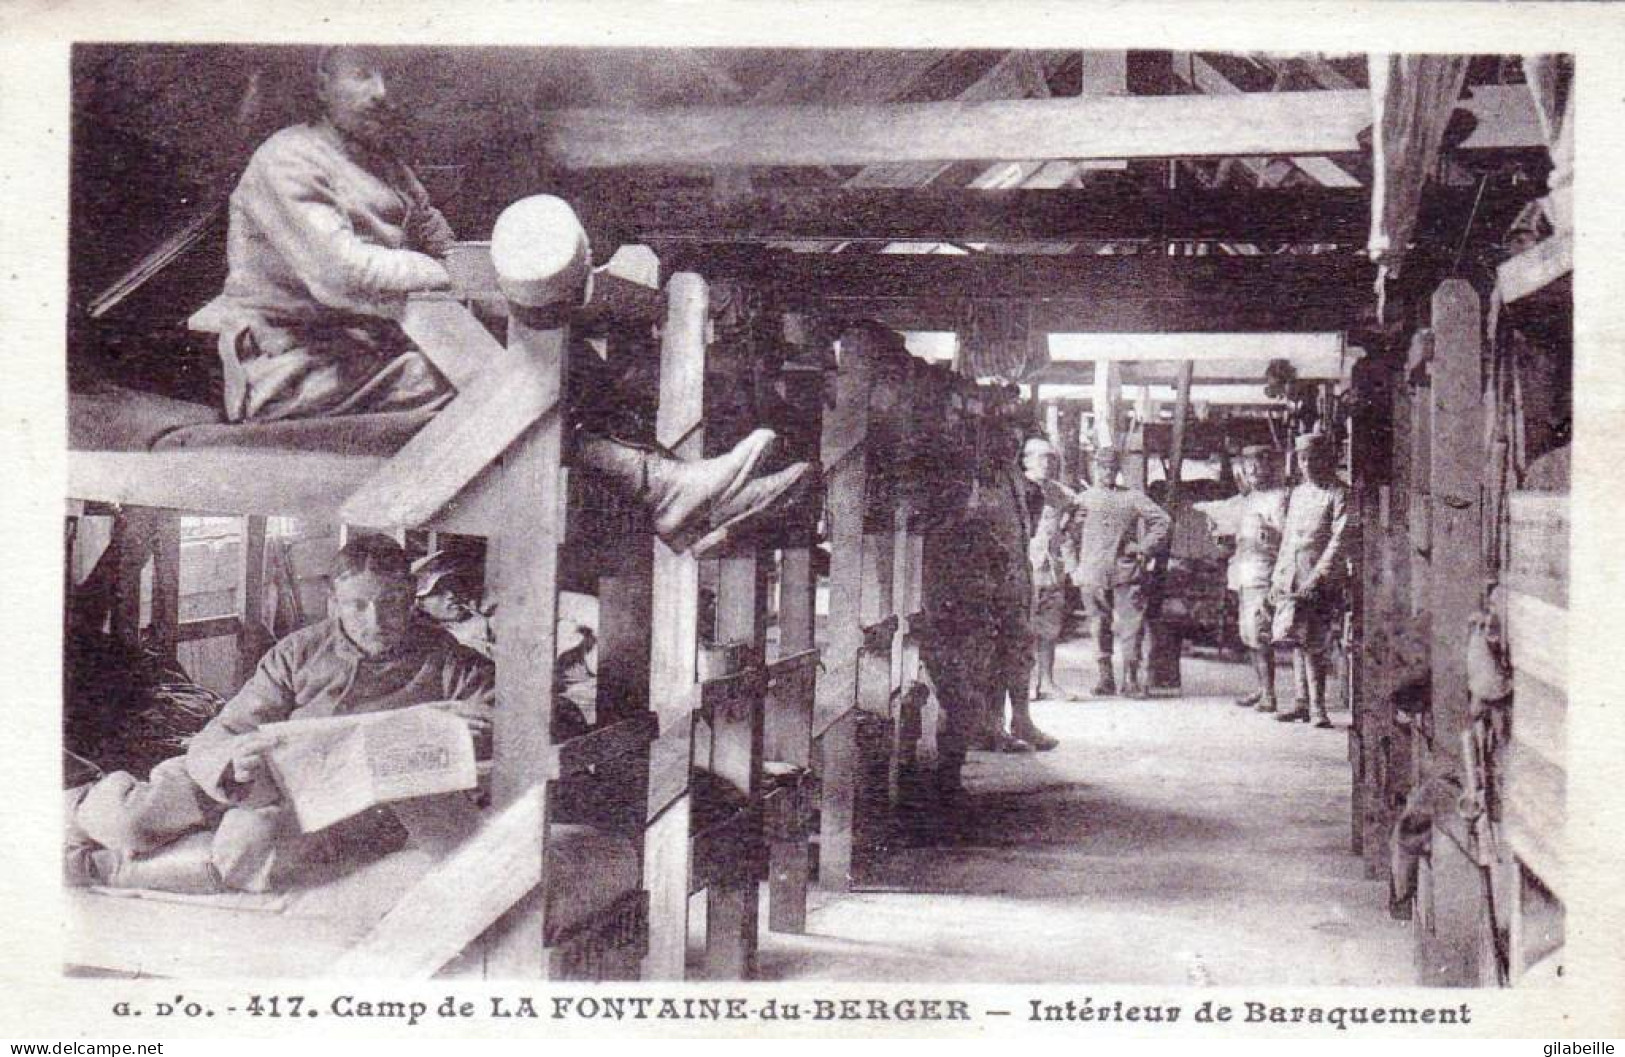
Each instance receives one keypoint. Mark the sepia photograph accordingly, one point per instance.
(1077, 519)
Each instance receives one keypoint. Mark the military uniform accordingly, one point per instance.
(1119, 529)
(1307, 580)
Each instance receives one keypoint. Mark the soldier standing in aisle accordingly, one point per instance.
(1120, 530)
(1306, 585)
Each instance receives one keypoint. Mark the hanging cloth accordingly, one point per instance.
(1412, 98)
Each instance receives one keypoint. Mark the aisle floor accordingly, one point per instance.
(1174, 841)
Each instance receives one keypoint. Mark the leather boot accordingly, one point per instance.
(678, 495)
(1106, 685)
(1028, 732)
(1132, 687)
(759, 496)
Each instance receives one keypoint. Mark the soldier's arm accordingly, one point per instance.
(1155, 525)
(1336, 546)
(221, 757)
(296, 203)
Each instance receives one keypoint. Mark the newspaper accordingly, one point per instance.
(330, 769)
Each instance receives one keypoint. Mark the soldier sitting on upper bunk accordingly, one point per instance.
(214, 819)
(330, 232)
(1307, 583)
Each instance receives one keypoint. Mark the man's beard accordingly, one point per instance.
(377, 129)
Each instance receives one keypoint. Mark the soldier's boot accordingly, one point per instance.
(1106, 684)
(1263, 698)
(1300, 683)
(1023, 727)
(1317, 692)
(690, 502)
(1266, 682)
(1132, 685)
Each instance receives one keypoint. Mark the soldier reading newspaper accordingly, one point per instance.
(365, 707)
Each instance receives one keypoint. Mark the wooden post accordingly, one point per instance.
(1108, 391)
(843, 451)
(675, 643)
(1069, 427)
(1454, 951)
(1176, 453)
(624, 606)
(132, 535)
(788, 738)
(736, 754)
(251, 596)
(166, 582)
(521, 569)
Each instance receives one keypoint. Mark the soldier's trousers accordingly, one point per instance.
(1116, 615)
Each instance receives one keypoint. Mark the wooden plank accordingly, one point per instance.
(457, 900)
(736, 757)
(936, 214)
(156, 938)
(1538, 537)
(213, 628)
(1456, 469)
(475, 429)
(1120, 279)
(1107, 396)
(251, 580)
(674, 646)
(1084, 127)
(1538, 634)
(133, 533)
(1453, 949)
(1540, 718)
(1536, 267)
(1176, 451)
(797, 590)
(521, 577)
(448, 334)
(166, 583)
(625, 603)
(1535, 811)
(1321, 170)
(1330, 306)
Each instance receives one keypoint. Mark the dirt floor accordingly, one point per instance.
(1174, 841)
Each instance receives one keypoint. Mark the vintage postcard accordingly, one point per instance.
(1073, 521)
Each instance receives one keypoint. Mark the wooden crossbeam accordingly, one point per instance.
(495, 410)
(1107, 214)
(1307, 278)
(457, 900)
(449, 335)
(1258, 123)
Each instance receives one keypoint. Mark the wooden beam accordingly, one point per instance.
(1308, 281)
(1456, 575)
(1535, 268)
(457, 900)
(521, 573)
(498, 406)
(1258, 123)
(448, 334)
(1108, 391)
(1112, 213)
(674, 649)
(1323, 171)
(736, 757)
(1176, 451)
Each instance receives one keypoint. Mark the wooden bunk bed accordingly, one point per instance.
(544, 886)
